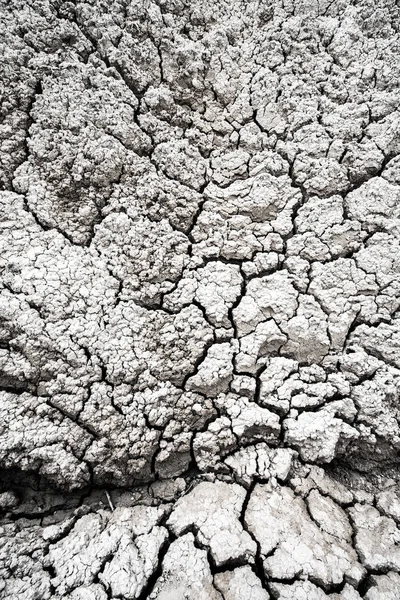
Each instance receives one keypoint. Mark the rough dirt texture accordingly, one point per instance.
(200, 291)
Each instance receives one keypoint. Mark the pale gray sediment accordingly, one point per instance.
(200, 291)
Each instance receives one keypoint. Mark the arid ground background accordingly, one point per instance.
(200, 291)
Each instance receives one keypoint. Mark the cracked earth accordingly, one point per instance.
(200, 291)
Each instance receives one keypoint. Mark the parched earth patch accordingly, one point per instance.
(199, 300)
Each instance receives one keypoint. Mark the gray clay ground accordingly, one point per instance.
(200, 291)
